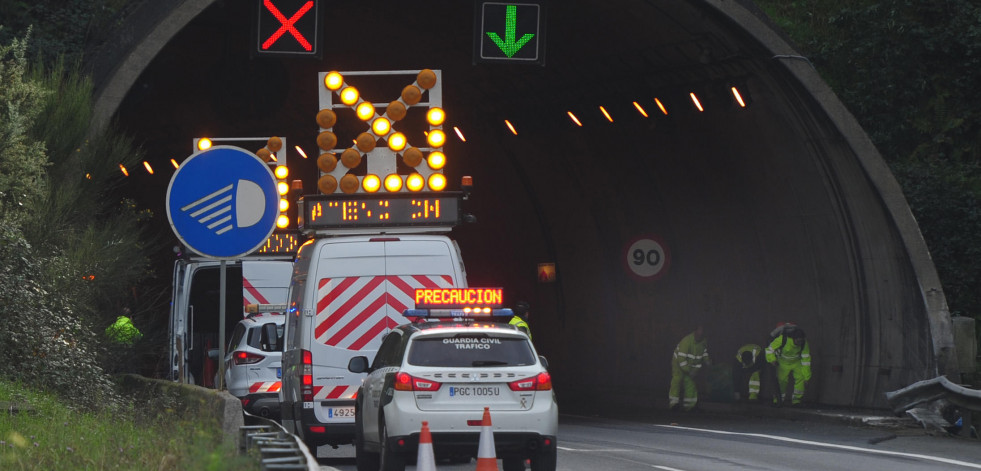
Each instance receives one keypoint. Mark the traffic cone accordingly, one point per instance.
(486, 454)
(425, 460)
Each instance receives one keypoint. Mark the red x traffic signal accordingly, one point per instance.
(288, 27)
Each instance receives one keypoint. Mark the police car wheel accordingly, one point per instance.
(545, 460)
(390, 460)
(363, 459)
(514, 464)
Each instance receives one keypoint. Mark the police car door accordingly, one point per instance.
(380, 380)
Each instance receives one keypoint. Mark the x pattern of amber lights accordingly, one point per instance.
(382, 155)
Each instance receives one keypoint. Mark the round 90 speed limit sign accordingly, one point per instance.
(647, 258)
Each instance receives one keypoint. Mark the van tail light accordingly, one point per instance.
(246, 358)
(407, 382)
(306, 376)
(540, 382)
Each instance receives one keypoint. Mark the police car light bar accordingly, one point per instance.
(458, 313)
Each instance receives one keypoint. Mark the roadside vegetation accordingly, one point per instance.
(73, 256)
(39, 431)
(910, 72)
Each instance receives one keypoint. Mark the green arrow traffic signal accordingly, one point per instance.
(509, 32)
(508, 45)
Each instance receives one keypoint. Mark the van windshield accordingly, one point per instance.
(470, 350)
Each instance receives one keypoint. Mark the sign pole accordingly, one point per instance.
(221, 328)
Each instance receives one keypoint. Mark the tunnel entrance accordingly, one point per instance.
(687, 131)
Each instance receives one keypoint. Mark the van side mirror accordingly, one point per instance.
(270, 338)
(358, 364)
(544, 361)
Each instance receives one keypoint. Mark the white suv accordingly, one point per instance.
(253, 363)
(446, 373)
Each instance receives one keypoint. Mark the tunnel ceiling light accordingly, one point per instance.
(174, 163)
(459, 134)
(123, 169)
(511, 127)
(148, 168)
(574, 119)
(661, 106)
(605, 113)
(694, 99)
(640, 109)
(738, 96)
(300, 151)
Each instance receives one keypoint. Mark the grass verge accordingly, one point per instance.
(38, 431)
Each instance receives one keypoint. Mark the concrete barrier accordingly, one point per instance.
(188, 400)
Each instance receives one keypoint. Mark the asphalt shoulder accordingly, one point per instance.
(811, 412)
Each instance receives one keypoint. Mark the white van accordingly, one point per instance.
(346, 294)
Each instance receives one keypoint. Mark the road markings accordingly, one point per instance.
(831, 445)
(585, 450)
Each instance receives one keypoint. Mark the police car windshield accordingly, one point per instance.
(470, 350)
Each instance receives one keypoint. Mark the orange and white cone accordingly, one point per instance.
(425, 460)
(486, 454)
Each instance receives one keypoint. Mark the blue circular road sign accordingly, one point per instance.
(223, 202)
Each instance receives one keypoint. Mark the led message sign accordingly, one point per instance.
(433, 298)
(280, 243)
(374, 210)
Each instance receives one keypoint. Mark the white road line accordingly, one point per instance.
(586, 450)
(831, 445)
(665, 468)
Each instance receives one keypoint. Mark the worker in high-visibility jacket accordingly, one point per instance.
(123, 331)
(522, 312)
(689, 357)
(790, 353)
(746, 376)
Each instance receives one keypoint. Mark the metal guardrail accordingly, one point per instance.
(939, 393)
(930, 390)
(278, 449)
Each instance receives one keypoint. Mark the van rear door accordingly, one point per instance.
(362, 289)
(266, 281)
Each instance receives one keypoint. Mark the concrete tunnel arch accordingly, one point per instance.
(782, 211)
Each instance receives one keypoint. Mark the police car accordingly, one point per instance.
(446, 372)
(253, 368)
